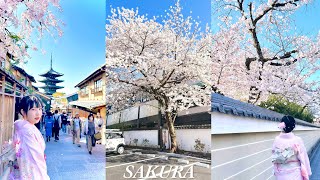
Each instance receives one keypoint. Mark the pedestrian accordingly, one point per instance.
(89, 131)
(76, 129)
(28, 142)
(42, 127)
(289, 154)
(69, 124)
(56, 125)
(99, 123)
(48, 125)
(64, 121)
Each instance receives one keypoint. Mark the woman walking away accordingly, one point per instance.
(49, 125)
(289, 154)
(28, 142)
(89, 131)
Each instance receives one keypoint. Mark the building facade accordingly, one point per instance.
(91, 95)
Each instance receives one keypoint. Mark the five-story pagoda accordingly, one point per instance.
(50, 81)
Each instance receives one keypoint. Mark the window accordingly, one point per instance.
(114, 135)
(84, 90)
(98, 85)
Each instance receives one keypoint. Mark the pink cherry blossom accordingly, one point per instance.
(281, 125)
(21, 20)
(256, 52)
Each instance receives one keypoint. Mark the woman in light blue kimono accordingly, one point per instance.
(49, 125)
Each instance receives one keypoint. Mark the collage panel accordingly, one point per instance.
(265, 99)
(158, 121)
(52, 90)
(133, 89)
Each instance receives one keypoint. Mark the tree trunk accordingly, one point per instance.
(172, 132)
(254, 95)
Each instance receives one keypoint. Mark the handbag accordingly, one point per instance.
(97, 136)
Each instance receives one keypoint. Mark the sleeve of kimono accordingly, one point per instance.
(32, 158)
(304, 160)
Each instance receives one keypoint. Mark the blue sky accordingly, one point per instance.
(306, 20)
(82, 47)
(199, 8)
(79, 51)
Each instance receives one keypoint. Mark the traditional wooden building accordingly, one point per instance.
(13, 85)
(70, 98)
(91, 95)
(15, 82)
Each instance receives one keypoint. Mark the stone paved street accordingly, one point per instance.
(66, 161)
(117, 165)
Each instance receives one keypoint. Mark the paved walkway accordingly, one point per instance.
(315, 164)
(66, 161)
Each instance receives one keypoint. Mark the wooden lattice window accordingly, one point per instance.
(9, 87)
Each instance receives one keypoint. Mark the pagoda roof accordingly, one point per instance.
(51, 72)
(51, 79)
(51, 87)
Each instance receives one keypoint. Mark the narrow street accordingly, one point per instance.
(67, 161)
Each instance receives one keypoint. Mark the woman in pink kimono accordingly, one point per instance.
(29, 143)
(289, 155)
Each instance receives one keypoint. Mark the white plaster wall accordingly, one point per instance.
(241, 146)
(113, 118)
(129, 114)
(150, 108)
(227, 123)
(195, 110)
(150, 135)
(186, 139)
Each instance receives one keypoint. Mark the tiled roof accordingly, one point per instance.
(226, 105)
(51, 72)
(92, 75)
(12, 77)
(22, 71)
(202, 126)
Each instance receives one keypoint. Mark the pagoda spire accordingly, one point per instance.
(50, 80)
(51, 61)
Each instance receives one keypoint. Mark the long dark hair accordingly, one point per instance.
(290, 123)
(29, 102)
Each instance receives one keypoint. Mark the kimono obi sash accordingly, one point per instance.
(284, 156)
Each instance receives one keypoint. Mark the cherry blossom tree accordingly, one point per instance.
(19, 20)
(261, 52)
(156, 58)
